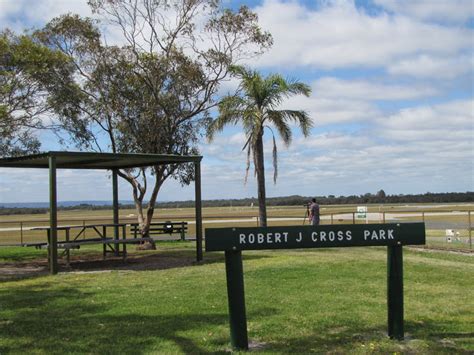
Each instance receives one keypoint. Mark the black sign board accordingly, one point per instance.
(234, 240)
(290, 237)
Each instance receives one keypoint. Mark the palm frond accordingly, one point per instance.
(300, 117)
(298, 88)
(275, 161)
(254, 151)
(247, 168)
(230, 112)
(284, 130)
(274, 156)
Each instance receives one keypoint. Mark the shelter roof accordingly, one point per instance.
(91, 160)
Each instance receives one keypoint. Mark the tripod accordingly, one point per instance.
(306, 215)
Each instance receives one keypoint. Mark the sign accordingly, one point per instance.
(361, 212)
(234, 240)
(326, 236)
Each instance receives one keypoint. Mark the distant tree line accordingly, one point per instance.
(368, 198)
(6, 211)
(295, 200)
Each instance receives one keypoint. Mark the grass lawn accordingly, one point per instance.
(319, 300)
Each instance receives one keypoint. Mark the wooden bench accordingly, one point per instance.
(161, 228)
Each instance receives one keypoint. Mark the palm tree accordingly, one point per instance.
(255, 106)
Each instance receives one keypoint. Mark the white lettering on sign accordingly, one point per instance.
(340, 235)
(251, 238)
(322, 236)
(331, 236)
(262, 238)
(277, 238)
(269, 238)
(380, 234)
(366, 234)
(316, 237)
(300, 237)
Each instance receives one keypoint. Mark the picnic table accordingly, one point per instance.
(109, 240)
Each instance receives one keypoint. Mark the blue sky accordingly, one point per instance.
(392, 102)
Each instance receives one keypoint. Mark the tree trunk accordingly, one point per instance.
(139, 209)
(260, 170)
(151, 204)
(144, 220)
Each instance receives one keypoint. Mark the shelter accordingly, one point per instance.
(54, 160)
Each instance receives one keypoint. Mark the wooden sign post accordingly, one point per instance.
(234, 240)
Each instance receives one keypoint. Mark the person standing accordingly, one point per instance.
(314, 213)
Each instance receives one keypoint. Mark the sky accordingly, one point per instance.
(392, 103)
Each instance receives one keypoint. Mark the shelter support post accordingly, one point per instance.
(115, 209)
(236, 298)
(198, 206)
(53, 218)
(395, 291)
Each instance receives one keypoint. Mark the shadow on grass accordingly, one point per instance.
(356, 337)
(441, 335)
(157, 260)
(65, 320)
(54, 319)
(92, 261)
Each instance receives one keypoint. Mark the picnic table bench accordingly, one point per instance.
(161, 228)
(110, 245)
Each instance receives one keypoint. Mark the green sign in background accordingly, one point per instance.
(290, 237)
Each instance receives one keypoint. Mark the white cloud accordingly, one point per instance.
(229, 86)
(449, 121)
(365, 90)
(341, 35)
(419, 149)
(23, 14)
(426, 66)
(334, 141)
(325, 111)
(450, 11)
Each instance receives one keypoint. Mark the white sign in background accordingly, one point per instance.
(361, 211)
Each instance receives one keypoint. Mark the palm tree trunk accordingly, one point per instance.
(260, 170)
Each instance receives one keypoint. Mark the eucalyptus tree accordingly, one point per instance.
(256, 107)
(150, 91)
(27, 70)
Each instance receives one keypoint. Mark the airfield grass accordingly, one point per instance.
(312, 300)
(79, 217)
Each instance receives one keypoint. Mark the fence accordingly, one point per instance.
(447, 229)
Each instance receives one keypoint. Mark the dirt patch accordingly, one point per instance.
(151, 261)
(15, 271)
(95, 263)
